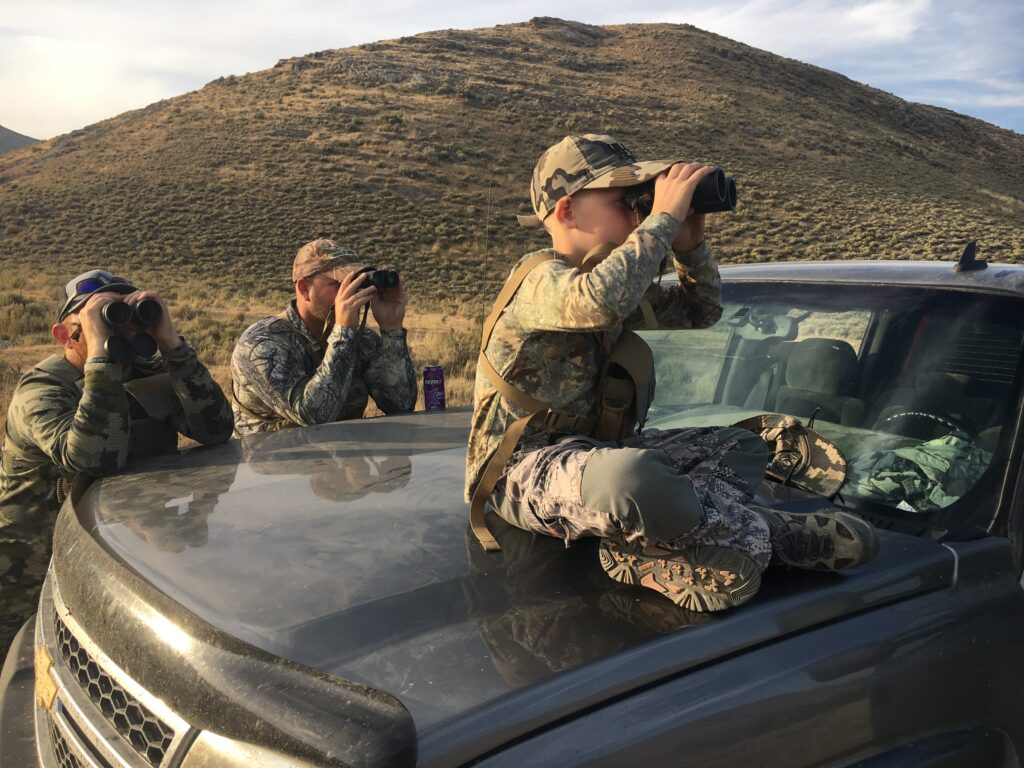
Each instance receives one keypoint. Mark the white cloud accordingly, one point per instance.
(808, 28)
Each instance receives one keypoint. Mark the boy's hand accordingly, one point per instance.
(691, 233)
(673, 190)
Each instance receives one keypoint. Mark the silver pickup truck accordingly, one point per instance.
(313, 597)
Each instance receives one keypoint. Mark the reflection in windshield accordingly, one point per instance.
(912, 385)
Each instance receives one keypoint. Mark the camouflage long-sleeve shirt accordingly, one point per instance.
(548, 341)
(63, 422)
(283, 377)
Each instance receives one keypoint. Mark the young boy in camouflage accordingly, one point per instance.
(80, 412)
(316, 362)
(672, 508)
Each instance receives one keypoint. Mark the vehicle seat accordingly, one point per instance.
(821, 376)
(765, 390)
(752, 362)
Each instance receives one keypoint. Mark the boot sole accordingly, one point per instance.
(854, 541)
(696, 578)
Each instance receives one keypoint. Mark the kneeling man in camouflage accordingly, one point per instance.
(673, 508)
(107, 397)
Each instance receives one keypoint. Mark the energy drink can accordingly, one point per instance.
(433, 388)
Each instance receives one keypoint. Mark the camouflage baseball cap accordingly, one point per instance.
(799, 455)
(590, 161)
(321, 256)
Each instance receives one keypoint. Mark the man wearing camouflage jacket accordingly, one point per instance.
(81, 413)
(672, 508)
(317, 362)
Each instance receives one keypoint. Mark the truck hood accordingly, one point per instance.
(345, 548)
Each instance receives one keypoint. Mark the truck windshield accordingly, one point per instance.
(915, 386)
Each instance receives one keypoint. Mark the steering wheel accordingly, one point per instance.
(955, 427)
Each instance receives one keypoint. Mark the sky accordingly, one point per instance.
(65, 64)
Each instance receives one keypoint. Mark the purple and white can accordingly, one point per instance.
(433, 388)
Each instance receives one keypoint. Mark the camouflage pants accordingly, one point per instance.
(22, 570)
(675, 488)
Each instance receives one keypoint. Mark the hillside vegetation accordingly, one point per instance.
(418, 152)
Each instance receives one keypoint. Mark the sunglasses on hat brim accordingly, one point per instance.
(88, 286)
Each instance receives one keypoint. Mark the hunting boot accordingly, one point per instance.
(823, 540)
(702, 578)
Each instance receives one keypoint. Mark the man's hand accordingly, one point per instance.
(673, 194)
(163, 332)
(388, 307)
(350, 299)
(95, 330)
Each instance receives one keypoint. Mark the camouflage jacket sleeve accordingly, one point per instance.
(90, 434)
(206, 413)
(274, 368)
(696, 302)
(388, 372)
(558, 297)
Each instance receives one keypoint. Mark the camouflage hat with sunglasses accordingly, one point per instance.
(321, 256)
(79, 289)
(590, 161)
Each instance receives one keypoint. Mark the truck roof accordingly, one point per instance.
(1007, 279)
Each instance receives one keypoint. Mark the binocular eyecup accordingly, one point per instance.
(123, 350)
(715, 193)
(379, 278)
(145, 312)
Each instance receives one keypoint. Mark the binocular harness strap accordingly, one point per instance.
(630, 353)
(538, 412)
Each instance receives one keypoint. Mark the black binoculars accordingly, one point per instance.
(117, 313)
(145, 312)
(121, 350)
(715, 193)
(379, 278)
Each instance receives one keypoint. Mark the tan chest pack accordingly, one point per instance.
(624, 392)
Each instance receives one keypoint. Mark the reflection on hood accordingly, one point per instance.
(171, 515)
(543, 608)
(337, 472)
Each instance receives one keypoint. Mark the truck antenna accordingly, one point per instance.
(967, 262)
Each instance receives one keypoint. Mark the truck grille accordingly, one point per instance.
(61, 750)
(147, 734)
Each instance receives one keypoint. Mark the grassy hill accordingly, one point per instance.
(418, 152)
(10, 140)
